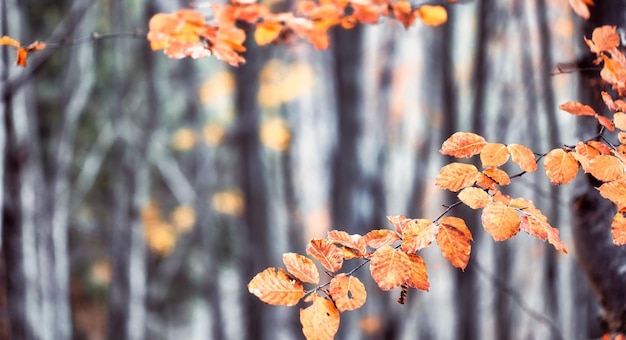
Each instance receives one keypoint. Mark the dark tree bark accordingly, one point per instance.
(603, 263)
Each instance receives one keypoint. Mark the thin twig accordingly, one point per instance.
(517, 298)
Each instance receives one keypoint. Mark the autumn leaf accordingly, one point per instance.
(608, 101)
(619, 118)
(603, 38)
(615, 192)
(494, 154)
(347, 292)
(326, 253)
(418, 234)
(418, 277)
(22, 52)
(301, 267)
(561, 167)
(276, 287)
(403, 12)
(474, 198)
(500, 221)
(456, 176)
(6, 40)
(601, 147)
(607, 123)
(483, 181)
(618, 229)
(432, 15)
(606, 168)
(463, 145)
(355, 241)
(454, 240)
(578, 109)
(380, 237)
(390, 267)
(399, 222)
(498, 175)
(320, 321)
(267, 31)
(523, 156)
(535, 223)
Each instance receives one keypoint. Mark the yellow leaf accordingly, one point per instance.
(347, 291)
(432, 15)
(276, 287)
(267, 31)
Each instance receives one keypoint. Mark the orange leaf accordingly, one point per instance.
(608, 101)
(606, 168)
(276, 287)
(578, 109)
(389, 267)
(602, 148)
(561, 167)
(403, 13)
(474, 198)
(399, 222)
(326, 253)
(380, 237)
(347, 292)
(614, 72)
(580, 7)
(432, 15)
(618, 229)
(301, 267)
(463, 145)
(498, 196)
(615, 192)
(267, 31)
(418, 234)
(607, 123)
(500, 221)
(456, 176)
(355, 241)
(6, 40)
(494, 154)
(320, 321)
(454, 240)
(22, 53)
(499, 176)
(485, 182)
(523, 156)
(536, 224)
(603, 38)
(619, 119)
(419, 277)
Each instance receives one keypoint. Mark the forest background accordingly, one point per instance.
(142, 193)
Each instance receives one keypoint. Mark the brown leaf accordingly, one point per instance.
(536, 224)
(603, 38)
(399, 222)
(276, 287)
(578, 109)
(380, 237)
(355, 241)
(499, 176)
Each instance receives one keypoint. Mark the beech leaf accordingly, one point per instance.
(347, 291)
(276, 287)
(463, 145)
(456, 176)
(419, 277)
(301, 267)
(390, 267)
(454, 240)
(320, 321)
(326, 253)
(500, 221)
(561, 167)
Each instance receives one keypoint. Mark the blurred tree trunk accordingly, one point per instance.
(601, 260)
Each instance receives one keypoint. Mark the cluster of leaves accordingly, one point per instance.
(22, 51)
(392, 259)
(186, 33)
